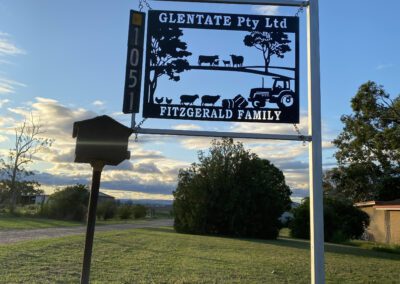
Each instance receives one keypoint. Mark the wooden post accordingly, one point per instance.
(91, 220)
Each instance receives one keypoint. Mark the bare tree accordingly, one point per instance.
(28, 142)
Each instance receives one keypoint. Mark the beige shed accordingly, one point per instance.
(384, 224)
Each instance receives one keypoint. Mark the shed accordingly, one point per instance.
(384, 224)
(105, 197)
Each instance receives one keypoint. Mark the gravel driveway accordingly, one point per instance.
(13, 236)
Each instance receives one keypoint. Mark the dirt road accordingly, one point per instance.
(14, 236)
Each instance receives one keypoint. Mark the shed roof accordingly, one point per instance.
(380, 205)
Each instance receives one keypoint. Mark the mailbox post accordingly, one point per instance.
(100, 141)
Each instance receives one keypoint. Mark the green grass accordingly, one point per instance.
(19, 223)
(375, 246)
(163, 256)
(8, 222)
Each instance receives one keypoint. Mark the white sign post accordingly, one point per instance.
(314, 118)
(315, 148)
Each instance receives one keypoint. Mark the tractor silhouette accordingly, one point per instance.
(280, 93)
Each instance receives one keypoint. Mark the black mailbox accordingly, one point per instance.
(101, 139)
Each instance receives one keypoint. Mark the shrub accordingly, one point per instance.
(125, 211)
(69, 203)
(106, 210)
(139, 211)
(342, 221)
(230, 192)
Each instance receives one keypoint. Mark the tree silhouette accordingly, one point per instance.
(166, 53)
(270, 43)
(26, 145)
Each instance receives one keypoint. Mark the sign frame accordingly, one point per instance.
(314, 131)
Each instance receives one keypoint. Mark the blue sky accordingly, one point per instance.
(65, 61)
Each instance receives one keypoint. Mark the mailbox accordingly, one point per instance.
(101, 139)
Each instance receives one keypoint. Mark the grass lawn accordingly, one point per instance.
(19, 223)
(8, 222)
(163, 256)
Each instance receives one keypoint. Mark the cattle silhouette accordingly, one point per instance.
(209, 100)
(208, 59)
(237, 60)
(188, 99)
(168, 101)
(226, 62)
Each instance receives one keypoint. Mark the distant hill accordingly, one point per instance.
(150, 202)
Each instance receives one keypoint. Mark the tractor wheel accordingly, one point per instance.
(258, 104)
(286, 100)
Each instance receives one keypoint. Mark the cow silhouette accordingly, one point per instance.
(226, 62)
(188, 99)
(209, 100)
(237, 60)
(208, 59)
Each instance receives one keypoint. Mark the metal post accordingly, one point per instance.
(315, 148)
(91, 220)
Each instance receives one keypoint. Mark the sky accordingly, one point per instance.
(64, 61)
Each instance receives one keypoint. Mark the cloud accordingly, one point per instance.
(292, 165)
(272, 128)
(7, 47)
(51, 180)
(198, 143)
(3, 102)
(147, 168)
(121, 194)
(299, 194)
(140, 154)
(266, 10)
(57, 119)
(384, 66)
(8, 86)
(98, 103)
(327, 145)
(187, 127)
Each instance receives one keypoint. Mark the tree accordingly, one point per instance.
(342, 221)
(230, 192)
(368, 148)
(27, 143)
(166, 53)
(269, 43)
(69, 203)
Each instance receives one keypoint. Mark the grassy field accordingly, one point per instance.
(163, 256)
(20, 223)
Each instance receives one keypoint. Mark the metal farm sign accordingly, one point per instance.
(222, 67)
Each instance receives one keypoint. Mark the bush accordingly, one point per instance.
(230, 192)
(30, 210)
(139, 211)
(106, 210)
(342, 221)
(125, 211)
(69, 203)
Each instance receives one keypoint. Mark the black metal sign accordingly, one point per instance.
(222, 67)
(133, 76)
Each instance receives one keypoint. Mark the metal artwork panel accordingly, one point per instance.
(222, 67)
